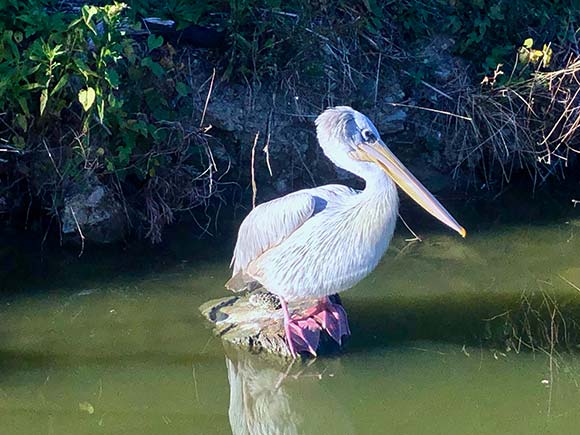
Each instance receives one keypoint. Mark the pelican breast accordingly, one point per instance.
(332, 250)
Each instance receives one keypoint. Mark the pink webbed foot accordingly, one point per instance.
(302, 333)
(331, 317)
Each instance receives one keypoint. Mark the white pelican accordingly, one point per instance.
(320, 241)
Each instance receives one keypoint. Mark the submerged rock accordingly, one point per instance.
(95, 213)
(255, 322)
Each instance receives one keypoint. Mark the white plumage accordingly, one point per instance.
(320, 241)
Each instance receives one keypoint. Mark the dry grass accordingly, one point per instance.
(540, 323)
(544, 323)
(179, 187)
(527, 124)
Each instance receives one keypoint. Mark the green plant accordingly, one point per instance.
(79, 98)
(487, 32)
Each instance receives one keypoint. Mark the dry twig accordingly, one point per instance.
(254, 186)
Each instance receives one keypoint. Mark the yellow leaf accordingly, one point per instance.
(535, 56)
(528, 43)
(87, 98)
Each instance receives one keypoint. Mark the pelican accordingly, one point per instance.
(317, 242)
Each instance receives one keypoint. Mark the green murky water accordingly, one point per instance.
(113, 343)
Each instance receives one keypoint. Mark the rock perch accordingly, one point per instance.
(255, 321)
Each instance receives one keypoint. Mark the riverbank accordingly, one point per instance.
(116, 130)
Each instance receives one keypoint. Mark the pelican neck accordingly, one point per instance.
(378, 183)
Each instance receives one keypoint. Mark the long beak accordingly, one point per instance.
(384, 158)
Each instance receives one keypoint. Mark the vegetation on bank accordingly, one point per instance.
(81, 101)
(88, 96)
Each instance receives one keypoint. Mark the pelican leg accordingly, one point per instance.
(287, 321)
(302, 334)
(331, 317)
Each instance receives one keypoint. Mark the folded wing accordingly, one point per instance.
(268, 225)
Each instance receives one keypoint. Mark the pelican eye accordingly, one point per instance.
(368, 136)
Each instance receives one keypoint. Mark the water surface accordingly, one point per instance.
(112, 343)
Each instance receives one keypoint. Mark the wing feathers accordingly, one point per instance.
(268, 225)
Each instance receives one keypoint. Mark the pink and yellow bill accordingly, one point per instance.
(379, 154)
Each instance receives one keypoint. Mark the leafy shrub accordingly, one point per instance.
(487, 32)
(78, 97)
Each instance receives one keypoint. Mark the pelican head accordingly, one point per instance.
(351, 141)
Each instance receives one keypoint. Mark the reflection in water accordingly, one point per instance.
(273, 398)
(259, 403)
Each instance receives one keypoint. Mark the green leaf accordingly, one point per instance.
(23, 105)
(63, 81)
(129, 52)
(87, 98)
(19, 142)
(43, 100)
(88, 13)
(246, 45)
(112, 78)
(124, 154)
(84, 69)
(75, 23)
(141, 127)
(32, 69)
(182, 89)
(13, 48)
(22, 122)
(495, 13)
(31, 86)
(153, 66)
(154, 42)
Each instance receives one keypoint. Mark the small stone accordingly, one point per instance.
(94, 212)
(96, 196)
